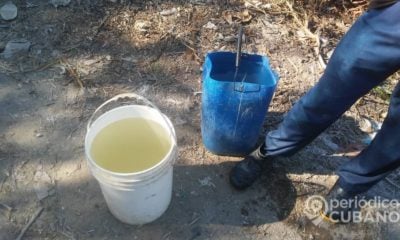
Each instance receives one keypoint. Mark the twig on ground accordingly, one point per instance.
(293, 65)
(374, 100)
(194, 221)
(103, 21)
(256, 7)
(72, 72)
(321, 60)
(42, 67)
(7, 210)
(33, 218)
(71, 47)
(193, 51)
(7, 69)
(5, 206)
(165, 236)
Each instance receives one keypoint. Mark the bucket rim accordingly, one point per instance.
(145, 171)
(263, 59)
(210, 53)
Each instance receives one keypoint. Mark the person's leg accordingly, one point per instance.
(365, 57)
(380, 158)
(374, 163)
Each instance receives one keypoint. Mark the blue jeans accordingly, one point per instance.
(364, 58)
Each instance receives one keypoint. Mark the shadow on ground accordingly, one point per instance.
(194, 210)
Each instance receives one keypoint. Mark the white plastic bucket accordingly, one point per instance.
(139, 197)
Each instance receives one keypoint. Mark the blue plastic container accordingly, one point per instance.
(234, 105)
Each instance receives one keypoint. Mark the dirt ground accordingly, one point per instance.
(85, 52)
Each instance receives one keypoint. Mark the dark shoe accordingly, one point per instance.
(340, 205)
(247, 171)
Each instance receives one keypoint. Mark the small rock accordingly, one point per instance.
(16, 46)
(39, 135)
(168, 12)
(210, 25)
(62, 3)
(142, 26)
(9, 11)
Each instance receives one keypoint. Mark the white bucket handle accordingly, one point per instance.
(135, 96)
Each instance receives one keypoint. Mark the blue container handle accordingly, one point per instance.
(239, 46)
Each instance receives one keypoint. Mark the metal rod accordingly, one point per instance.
(239, 47)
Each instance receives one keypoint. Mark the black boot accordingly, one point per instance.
(247, 171)
(340, 205)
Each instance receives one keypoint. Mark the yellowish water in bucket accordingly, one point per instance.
(130, 145)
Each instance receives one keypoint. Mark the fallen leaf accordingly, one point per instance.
(246, 16)
(227, 15)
